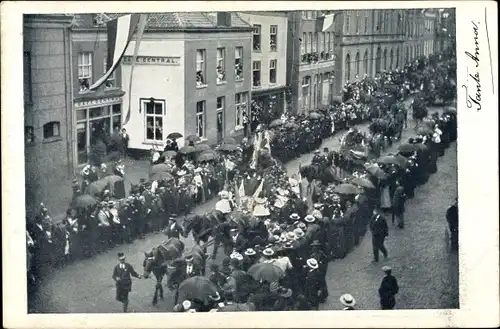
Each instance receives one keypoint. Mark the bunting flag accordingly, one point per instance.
(120, 32)
(259, 189)
(143, 19)
(241, 190)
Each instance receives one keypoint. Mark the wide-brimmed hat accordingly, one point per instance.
(111, 203)
(347, 300)
(250, 252)
(386, 268)
(290, 236)
(283, 238)
(294, 216)
(312, 263)
(315, 243)
(310, 218)
(268, 252)
(318, 205)
(302, 226)
(288, 245)
(317, 214)
(186, 305)
(181, 172)
(236, 255)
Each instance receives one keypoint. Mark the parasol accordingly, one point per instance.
(276, 123)
(266, 272)
(201, 148)
(162, 175)
(406, 148)
(208, 156)
(196, 288)
(174, 136)
(187, 150)
(161, 167)
(96, 187)
(169, 154)
(291, 125)
(424, 130)
(229, 140)
(315, 115)
(363, 182)
(391, 159)
(193, 138)
(84, 201)
(376, 171)
(347, 188)
(228, 147)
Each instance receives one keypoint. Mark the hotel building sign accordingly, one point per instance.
(151, 60)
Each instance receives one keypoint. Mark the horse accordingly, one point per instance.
(157, 260)
(211, 224)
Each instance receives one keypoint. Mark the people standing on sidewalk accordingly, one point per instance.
(380, 230)
(388, 289)
(398, 205)
(122, 274)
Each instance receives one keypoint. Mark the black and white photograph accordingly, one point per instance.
(207, 161)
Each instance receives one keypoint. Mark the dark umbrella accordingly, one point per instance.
(206, 156)
(112, 179)
(163, 175)
(402, 161)
(169, 154)
(187, 150)
(424, 130)
(363, 182)
(276, 123)
(174, 136)
(84, 201)
(228, 147)
(96, 188)
(266, 272)
(196, 288)
(347, 188)
(161, 167)
(291, 125)
(193, 138)
(315, 115)
(390, 159)
(406, 148)
(229, 140)
(202, 147)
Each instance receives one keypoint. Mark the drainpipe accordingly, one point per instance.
(70, 114)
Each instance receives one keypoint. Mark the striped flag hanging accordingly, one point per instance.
(140, 30)
(120, 32)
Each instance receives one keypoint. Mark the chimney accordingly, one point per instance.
(224, 19)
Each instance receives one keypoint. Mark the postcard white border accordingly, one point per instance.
(478, 184)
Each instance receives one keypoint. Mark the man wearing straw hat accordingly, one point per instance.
(348, 301)
(312, 283)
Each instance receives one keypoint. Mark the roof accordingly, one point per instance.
(175, 20)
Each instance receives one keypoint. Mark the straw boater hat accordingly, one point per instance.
(317, 214)
(310, 218)
(268, 252)
(250, 252)
(290, 236)
(283, 238)
(294, 216)
(302, 226)
(236, 255)
(312, 263)
(318, 205)
(317, 151)
(298, 232)
(289, 245)
(347, 300)
(386, 268)
(186, 305)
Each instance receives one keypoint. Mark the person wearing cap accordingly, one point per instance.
(388, 289)
(348, 301)
(122, 275)
(452, 219)
(380, 230)
(312, 283)
(249, 258)
(173, 229)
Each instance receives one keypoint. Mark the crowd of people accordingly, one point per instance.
(269, 222)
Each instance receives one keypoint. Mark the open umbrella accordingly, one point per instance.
(276, 123)
(193, 138)
(406, 148)
(315, 115)
(112, 179)
(162, 175)
(174, 136)
(347, 188)
(228, 147)
(376, 171)
(96, 188)
(201, 147)
(169, 154)
(84, 201)
(291, 125)
(187, 150)
(266, 272)
(229, 140)
(391, 159)
(208, 156)
(424, 130)
(402, 161)
(161, 167)
(363, 182)
(196, 288)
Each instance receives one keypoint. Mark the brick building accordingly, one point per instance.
(48, 152)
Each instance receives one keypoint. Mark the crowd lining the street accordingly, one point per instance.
(276, 248)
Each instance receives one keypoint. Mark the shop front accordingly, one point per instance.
(96, 120)
(268, 105)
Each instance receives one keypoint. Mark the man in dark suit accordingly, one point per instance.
(125, 138)
(122, 274)
(313, 284)
(380, 230)
(236, 242)
(398, 205)
(174, 229)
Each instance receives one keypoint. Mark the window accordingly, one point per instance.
(27, 77)
(315, 43)
(321, 45)
(238, 63)
(272, 70)
(357, 21)
(256, 73)
(366, 23)
(357, 64)
(240, 104)
(380, 20)
(221, 65)
(51, 130)
(330, 44)
(399, 23)
(154, 119)
(385, 59)
(84, 70)
(391, 59)
(378, 60)
(29, 135)
(110, 82)
(256, 37)
(303, 44)
(273, 37)
(347, 22)
(200, 119)
(200, 68)
(365, 62)
(310, 42)
(347, 67)
(306, 81)
(220, 116)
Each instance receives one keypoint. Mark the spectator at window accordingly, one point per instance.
(221, 75)
(200, 80)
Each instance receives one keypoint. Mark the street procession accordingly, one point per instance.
(266, 236)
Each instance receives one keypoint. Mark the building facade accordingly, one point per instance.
(192, 76)
(311, 58)
(47, 109)
(269, 53)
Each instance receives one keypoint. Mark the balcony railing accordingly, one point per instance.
(314, 57)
